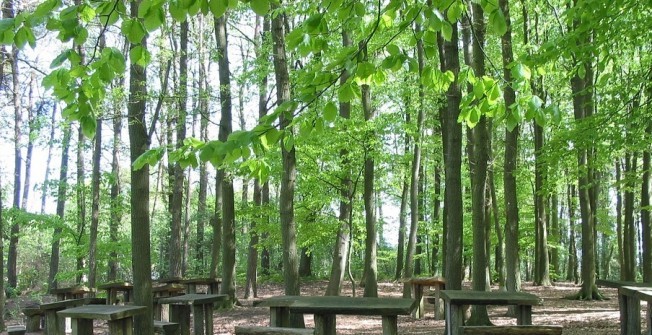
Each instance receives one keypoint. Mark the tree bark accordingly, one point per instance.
(95, 207)
(62, 195)
(512, 249)
(288, 178)
(415, 173)
(116, 199)
(81, 204)
(139, 142)
(46, 178)
(646, 226)
(629, 225)
(2, 262)
(452, 141)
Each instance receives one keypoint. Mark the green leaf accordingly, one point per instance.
(345, 93)
(521, 72)
(478, 89)
(150, 157)
(88, 124)
(581, 71)
(260, 7)
(497, 22)
(454, 12)
(330, 112)
(81, 34)
(393, 49)
(140, 56)
(86, 13)
(447, 31)
(21, 37)
(60, 59)
(177, 12)
(218, 7)
(154, 19)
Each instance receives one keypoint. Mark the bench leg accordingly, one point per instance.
(181, 315)
(390, 325)
(33, 323)
(279, 317)
(524, 315)
(418, 296)
(437, 303)
(82, 327)
(325, 324)
(121, 327)
(54, 325)
(454, 319)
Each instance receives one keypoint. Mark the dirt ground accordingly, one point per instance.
(577, 317)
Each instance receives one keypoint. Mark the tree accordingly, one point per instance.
(2, 261)
(140, 222)
(95, 207)
(62, 191)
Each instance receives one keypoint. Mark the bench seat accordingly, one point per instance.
(16, 330)
(512, 330)
(166, 328)
(272, 331)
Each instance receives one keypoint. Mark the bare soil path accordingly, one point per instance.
(577, 317)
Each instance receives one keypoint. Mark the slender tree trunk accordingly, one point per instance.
(62, 195)
(31, 133)
(370, 262)
(228, 197)
(12, 274)
(541, 262)
(178, 177)
(573, 264)
(116, 199)
(436, 204)
(46, 178)
(408, 272)
(139, 142)
(646, 226)
(341, 249)
(512, 249)
(629, 225)
(2, 262)
(202, 211)
(402, 219)
(95, 207)
(452, 141)
(81, 203)
(479, 162)
(288, 178)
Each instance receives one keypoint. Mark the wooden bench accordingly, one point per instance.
(166, 328)
(16, 330)
(512, 330)
(272, 331)
(34, 316)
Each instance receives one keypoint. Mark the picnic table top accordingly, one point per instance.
(427, 281)
(619, 283)
(102, 312)
(77, 289)
(343, 305)
(200, 281)
(64, 304)
(641, 292)
(171, 287)
(193, 299)
(116, 285)
(467, 297)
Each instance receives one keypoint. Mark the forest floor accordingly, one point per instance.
(577, 317)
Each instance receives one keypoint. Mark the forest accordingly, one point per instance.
(488, 141)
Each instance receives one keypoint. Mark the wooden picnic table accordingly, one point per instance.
(202, 311)
(163, 291)
(112, 290)
(418, 285)
(212, 284)
(629, 301)
(325, 309)
(456, 299)
(55, 324)
(72, 292)
(120, 318)
(619, 283)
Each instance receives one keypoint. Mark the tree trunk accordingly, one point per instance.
(31, 133)
(12, 275)
(305, 263)
(202, 211)
(629, 225)
(81, 204)
(415, 169)
(619, 221)
(541, 260)
(646, 226)
(228, 196)
(341, 249)
(288, 178)
(478, 162)
(370, 262)
(436, 204)
(140, 225)
(178, 177)
(46, 178)
(571, 270)
(555, 233)
(512, 249)
(62, 195)
(2, 262)
(95, 207)
(452, 142)
(116, 199)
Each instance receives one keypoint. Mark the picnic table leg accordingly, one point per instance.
(437, 289)
(454, 319)
(122, 326)
(524, 315)
(418, 296)
(208, 318)
(82, 327)
(648, 318)
(325, 324)
(630, 313)
(181, 315)
(279, 316)
(54, 325)
(390, 325)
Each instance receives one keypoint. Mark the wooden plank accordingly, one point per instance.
(342, 305)
(619, 283)
(102, 312)
(63, 304)
(512, 330)
(464, 297)
(239, 330)
(193, 299)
